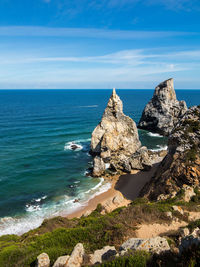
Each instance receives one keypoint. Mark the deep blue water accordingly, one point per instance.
(39, 175)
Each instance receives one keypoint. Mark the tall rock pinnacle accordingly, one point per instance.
(115, 136)
(162, 112)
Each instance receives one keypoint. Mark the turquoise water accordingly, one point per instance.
(40, 176)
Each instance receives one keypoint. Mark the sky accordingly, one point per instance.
(99, 44)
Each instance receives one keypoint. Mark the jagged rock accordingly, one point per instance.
(61, 261)
(43, 260)
(162, 112)
(181, 166)
(155, 244)
(99, 166)
(115, 135)
(103, 254)
(76, 258)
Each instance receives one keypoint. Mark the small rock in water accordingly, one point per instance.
(74, 146)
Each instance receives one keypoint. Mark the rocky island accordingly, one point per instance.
(162, 112)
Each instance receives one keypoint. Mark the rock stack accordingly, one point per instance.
(162, 112)
(114, 139)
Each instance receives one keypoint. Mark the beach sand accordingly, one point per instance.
(128, 184)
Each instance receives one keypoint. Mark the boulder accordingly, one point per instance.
(162, 112)
(116, 135)
(61, 261)
(43, 260)
(155, 244)
(77, 256)
(103, 254)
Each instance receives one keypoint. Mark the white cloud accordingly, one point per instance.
(86, 32)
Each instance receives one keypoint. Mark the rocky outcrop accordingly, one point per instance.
(154, 244)
(61, 261)
(103, 254)
(115, 138)
(180, 169)
(162, 112)
(77, 256)
(43, 260)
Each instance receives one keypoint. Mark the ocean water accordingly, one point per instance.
(40, 175)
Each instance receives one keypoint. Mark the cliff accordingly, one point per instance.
(162, 112)
(115, 138)
(180, 169)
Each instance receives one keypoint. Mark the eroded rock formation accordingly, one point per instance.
(162, 112)
(180, 169)
(115, 138)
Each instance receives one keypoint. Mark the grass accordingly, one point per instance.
(58, 236)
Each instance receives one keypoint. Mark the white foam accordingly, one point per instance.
(160, 148)
(18, 226)
(154, 134)
(78, 143)
(90, 106)
(31, 208)
(36, 213)
(69, 146)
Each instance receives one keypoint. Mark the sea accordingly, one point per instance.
(41, 176)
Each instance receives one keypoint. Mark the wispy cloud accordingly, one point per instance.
(86, 32)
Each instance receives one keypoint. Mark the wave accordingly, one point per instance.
(159, 148)
(154, 134)
(76, 145)
(37, 210)
(73, 146)
(90, 106)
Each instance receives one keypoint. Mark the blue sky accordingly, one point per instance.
(99, 43)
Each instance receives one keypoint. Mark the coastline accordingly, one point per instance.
(102, 198)
(125, 187)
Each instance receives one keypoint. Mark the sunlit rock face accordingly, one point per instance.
(162, 112)
(115, 137)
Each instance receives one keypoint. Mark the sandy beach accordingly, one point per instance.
(129, 185)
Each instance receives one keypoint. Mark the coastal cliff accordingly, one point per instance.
(162, 112)
(115, 138)
(180, 169)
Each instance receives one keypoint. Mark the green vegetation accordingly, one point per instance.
(58, 236)
(137, 259)
(191, 154)
(189, 258)
(192, 125)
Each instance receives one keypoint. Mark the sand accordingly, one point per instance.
(129, 185)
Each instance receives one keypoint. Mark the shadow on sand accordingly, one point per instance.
(130, 185)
